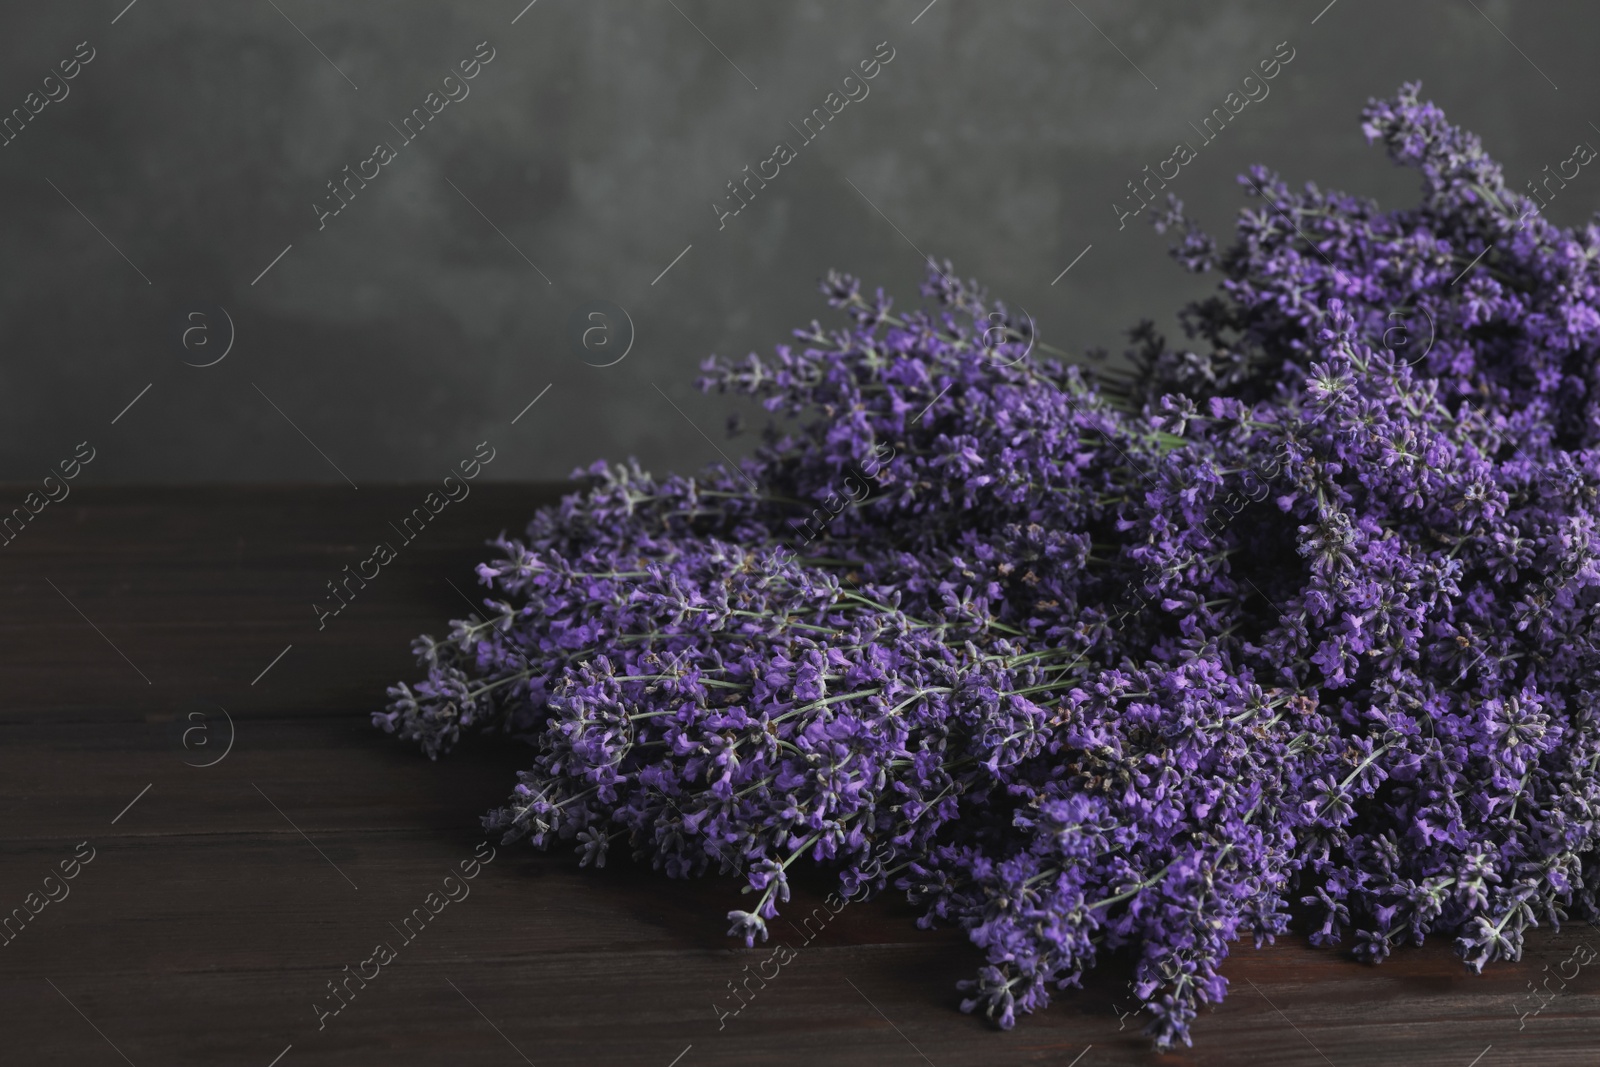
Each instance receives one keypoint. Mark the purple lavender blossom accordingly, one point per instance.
(1109, 661)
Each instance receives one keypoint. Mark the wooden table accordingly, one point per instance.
(222, 900)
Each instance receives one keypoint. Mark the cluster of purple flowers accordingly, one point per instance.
(1111, 660)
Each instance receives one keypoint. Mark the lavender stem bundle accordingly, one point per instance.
(1108, 661)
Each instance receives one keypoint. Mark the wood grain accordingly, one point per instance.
(218, 907)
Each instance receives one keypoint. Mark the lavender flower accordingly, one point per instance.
(1108, 660)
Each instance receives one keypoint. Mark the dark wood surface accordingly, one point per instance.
(219, 905)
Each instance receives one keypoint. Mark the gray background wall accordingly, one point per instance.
(408, 329)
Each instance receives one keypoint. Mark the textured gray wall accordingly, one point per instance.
(407, 330)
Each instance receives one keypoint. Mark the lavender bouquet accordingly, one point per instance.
(1108, 660)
